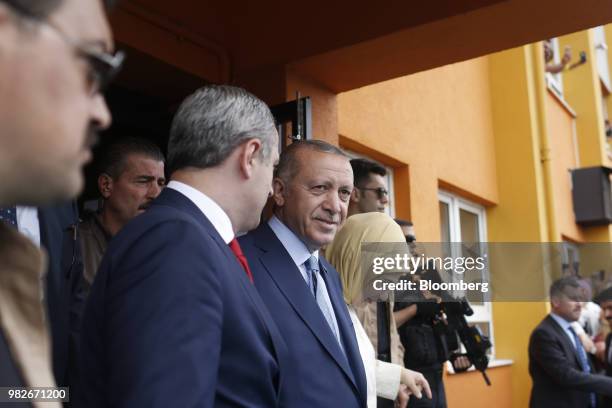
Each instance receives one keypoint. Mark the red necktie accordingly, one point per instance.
(235, 247)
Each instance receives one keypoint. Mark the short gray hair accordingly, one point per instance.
(212, 122)
(558, 287)
(288, 165)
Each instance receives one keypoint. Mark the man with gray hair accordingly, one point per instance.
(312, 188)
(558, 364)
(54, 64)
(173, 318)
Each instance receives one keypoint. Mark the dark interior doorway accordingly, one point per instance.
(142, 100)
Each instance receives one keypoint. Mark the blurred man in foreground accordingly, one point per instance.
(54, 63)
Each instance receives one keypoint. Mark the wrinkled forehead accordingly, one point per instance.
(316, 164)
(85, 22)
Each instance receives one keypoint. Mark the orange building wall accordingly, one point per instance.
(563, 153)
(470, 390)
(436, 122)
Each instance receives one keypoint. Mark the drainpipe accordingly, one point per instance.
(544, 139)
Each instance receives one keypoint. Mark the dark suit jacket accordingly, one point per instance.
(173, 321)
(558, 380)
(58, 236)
(322, 376)
(607, 401)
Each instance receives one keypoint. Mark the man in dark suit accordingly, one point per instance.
(312, 187)
(604, 299)
(558, 364)
(58, 235)
(173, 318)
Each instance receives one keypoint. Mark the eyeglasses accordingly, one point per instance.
(103, 67)
(380, 192)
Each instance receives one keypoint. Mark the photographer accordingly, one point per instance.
(425, 335)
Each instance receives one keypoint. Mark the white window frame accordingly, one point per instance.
(390, 177)
(482, 313)
(555, 81)
(601, 55)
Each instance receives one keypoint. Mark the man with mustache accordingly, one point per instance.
(311, 191)
(130, 176)
(54, 63)
(558, 364)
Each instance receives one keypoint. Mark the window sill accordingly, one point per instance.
(492, 364)
(561, 101)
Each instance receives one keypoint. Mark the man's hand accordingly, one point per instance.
(402, 397)
(462, 363)
(416, 383)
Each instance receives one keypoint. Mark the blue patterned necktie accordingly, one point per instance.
(8, 215)
(312, 271)
(584, 363)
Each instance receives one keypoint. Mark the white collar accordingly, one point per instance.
(297, 250)
(215, 214)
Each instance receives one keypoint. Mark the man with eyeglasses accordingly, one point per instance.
(371, 191)
(54, 64)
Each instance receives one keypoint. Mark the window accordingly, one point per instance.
(462, 221)
(570, 258)
(390, 210)
(554, 81)
(601, 55)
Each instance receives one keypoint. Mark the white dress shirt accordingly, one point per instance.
(300, 254)
(215, 214)
(565, 325)
(28, 224)
(383, 379)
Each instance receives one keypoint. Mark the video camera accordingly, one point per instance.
(449, 323)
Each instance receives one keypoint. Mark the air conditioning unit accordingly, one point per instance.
(592, 195)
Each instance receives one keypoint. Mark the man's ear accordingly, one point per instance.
(250, 152)
(279, 192)
(355, 195)
(105, 185)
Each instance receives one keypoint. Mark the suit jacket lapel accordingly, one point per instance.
(570, 350)
(279, 265)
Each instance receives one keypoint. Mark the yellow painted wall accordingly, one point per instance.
(564, 155)
(488, 130)
(521, 213)
(438, 123)
(582, 90)
(470, 390)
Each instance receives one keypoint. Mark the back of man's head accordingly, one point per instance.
(362, 169)
(212, 122)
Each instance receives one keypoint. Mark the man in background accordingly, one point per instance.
(371, 192)
(130, 177)
(558, 364)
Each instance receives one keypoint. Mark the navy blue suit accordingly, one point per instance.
(58, 235)
(321, 376)
(173, 321)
